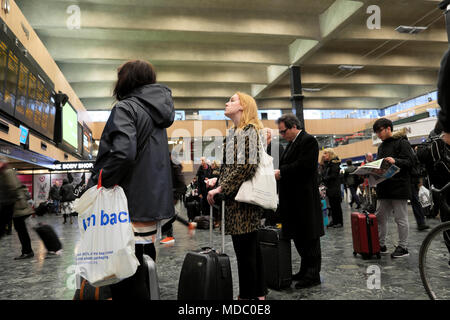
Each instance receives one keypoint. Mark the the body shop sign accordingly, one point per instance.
(64, 166)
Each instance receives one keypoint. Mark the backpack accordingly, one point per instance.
(441, 158)
(416, 169)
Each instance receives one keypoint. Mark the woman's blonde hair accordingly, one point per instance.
(249, 112)
(330, 151)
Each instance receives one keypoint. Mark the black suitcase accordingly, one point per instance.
(202, 222)
(206, 273)
(276, 255)
(42, 209)
(193, 209)
(89, 292)
(49, 237)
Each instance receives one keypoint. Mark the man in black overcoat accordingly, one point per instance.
(300, 208)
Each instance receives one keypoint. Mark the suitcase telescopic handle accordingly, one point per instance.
(223, 226)
(210, 225)
(219, 197)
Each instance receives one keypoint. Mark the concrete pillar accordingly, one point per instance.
(296, 93)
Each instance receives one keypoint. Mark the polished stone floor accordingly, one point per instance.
(344, 277)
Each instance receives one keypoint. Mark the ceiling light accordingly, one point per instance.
(410, 29)
(311, 89)
(350, 67)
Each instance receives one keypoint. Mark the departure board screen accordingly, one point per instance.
(45, 111)
(3, 60)
(29, 113)
(51, 119)
(25, 88)
(11, 83)
(87, 141)
(21, 104)
(38, 105)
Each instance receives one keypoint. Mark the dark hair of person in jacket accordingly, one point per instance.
(131, 75)
(290, 120)
(382, 123)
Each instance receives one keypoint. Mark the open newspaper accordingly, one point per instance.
(377, 171)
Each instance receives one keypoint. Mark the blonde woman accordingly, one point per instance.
(330, 177)
(242, 220)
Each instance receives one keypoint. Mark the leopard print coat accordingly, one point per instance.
(240, 161)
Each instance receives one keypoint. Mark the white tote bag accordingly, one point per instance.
(261, 190)
(105, 254)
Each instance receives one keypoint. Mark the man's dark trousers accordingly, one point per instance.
(311, 257)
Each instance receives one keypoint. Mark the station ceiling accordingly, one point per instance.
(206, 50)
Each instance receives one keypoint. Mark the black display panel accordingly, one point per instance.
(49, 113)
(12, 75)
(52, 116)
(87, 142)
(29, 113)
(3, 61)
(45, 111)
(38, 106)
(25, 89)
(22, 91)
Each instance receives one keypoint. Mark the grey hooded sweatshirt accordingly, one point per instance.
(134, 152)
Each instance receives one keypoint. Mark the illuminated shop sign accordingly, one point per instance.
(73, 166)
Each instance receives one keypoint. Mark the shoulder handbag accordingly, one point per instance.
(261, 190)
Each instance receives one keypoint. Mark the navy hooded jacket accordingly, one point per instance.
(140, 165)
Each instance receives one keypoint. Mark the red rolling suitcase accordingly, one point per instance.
(365, 235)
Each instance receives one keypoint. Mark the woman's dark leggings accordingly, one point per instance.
(250, 265)
(336, 210)
(136, 287)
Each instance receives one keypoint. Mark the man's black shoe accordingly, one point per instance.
(307, 283)
(338, 225)
(25, 256)
(298, 276)
(383, 249)
(400, 252)
(423, 227)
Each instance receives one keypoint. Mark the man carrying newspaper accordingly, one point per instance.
(393, 183)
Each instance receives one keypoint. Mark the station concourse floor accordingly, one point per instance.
(344, 277)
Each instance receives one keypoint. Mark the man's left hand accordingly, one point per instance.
(390, 160)
(277, 174)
